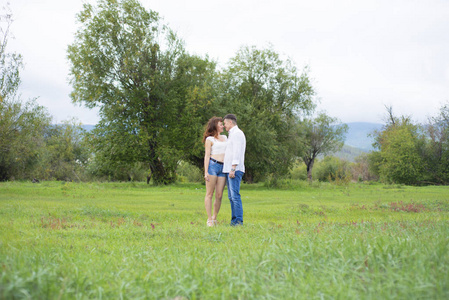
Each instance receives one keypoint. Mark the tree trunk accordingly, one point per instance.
(249, 178)
(197, 161)
(161, 174)
(309, 165)
(149, 177)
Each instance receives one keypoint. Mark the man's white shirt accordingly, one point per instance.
(235, 150)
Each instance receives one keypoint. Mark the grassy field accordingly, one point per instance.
(133, 241)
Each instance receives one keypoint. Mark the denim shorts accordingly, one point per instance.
(215, 169)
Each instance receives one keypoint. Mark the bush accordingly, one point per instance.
(333, 169)
(361, 170)
(299, 171)
(120, 171)
(187, 172)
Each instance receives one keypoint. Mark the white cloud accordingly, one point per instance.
(362, 54)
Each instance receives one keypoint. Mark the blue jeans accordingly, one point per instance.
(234, 197)
(215, 169)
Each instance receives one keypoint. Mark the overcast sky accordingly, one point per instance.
(362, 55)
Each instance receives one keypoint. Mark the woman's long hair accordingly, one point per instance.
(211, 128)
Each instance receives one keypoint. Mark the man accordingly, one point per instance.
(234, 166)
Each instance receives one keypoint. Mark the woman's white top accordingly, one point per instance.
(218, 147)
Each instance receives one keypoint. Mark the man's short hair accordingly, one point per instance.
(231, 117)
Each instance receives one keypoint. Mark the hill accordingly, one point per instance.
(358, 135)
(349, 153)
(357, 140)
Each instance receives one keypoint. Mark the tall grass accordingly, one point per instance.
(128, 240)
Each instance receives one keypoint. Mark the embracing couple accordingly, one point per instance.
(224, 163)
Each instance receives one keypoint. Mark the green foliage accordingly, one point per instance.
(200, 82)
(32, 148)
(29, 146)
(21, 141)
(375, 161)
(320, 135)
(21, 123)
(125, 61)
(436, 149)
(299, 171)
(361, 169)
(333, 169)
(133, 241)
(337, 170)
(102, 170)
(400, 144)
(401, 162)
(410, 153)
(66, 153)
(137, 71)
(189, 173)
(267, 94)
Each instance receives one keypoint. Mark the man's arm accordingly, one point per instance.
(237, 150)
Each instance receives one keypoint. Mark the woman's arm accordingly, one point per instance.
(207, 147)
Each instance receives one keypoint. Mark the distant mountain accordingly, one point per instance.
(357, 135)
(88, 127)
(357, 140)
(349, 153)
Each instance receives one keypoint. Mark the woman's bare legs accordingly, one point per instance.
(210, 187)
(219, 187)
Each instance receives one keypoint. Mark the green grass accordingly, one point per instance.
(133, 241)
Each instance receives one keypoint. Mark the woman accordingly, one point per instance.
(215, 146)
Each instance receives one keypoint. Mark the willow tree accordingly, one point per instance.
(125, 61)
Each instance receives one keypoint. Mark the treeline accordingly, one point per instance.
(154, 98)
(406, 152)
(412, 153)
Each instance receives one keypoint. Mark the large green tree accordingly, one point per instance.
(401, 159)
(400, 147)
(320, 135)
(136, 70)
(268, 95)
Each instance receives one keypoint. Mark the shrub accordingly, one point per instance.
(333, 169)
(188, 172)
(299, 171)
(361, 169)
